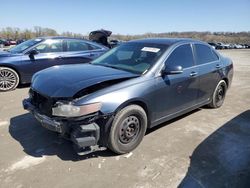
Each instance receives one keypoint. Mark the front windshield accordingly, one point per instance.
(24, 46)
(133, 57)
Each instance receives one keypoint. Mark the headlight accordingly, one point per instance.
(70, 110)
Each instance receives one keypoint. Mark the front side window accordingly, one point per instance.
(25, 45)
(49, 46)
(204, 54)
(132, 57)
(181, 56)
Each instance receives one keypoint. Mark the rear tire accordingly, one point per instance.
(9, 79)
(219, 95)
(128, 129)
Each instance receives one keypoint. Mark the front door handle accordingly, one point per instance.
(192, 74)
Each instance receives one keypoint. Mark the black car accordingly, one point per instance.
(20, 41)
(18, 64)
(101, 37)
(112, 101)
(215, 45)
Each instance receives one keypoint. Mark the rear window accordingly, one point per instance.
(204, 54)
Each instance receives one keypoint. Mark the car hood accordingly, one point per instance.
(65, 81)
(7, 54)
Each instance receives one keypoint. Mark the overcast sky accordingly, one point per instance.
(127, 16)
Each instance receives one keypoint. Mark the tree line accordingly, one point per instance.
(16, 33)
(226, 37)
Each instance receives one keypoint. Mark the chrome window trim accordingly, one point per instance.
(158, 73)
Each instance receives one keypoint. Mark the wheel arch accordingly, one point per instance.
(139, 102)
(226, 80)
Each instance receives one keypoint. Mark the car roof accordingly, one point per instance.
(58, 37)
(165, 41)
(63, 37)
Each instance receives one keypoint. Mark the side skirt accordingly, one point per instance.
(176, 114)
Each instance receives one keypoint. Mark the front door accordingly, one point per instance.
(50, 53)
(177, 92)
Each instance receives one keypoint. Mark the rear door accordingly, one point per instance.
(80, 51)
(177, 92)
(209, 67)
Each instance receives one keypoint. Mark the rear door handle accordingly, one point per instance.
(217, 66)
(192, 74)
(59, 57)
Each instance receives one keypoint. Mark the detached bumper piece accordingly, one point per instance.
(84, 137)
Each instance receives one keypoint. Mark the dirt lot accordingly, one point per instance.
(205, 148)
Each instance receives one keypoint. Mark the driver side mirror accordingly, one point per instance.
(177, 69)
(32, 53)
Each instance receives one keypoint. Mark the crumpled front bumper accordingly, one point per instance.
(84, 136)
(47, 122)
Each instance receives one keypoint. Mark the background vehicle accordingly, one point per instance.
(214, 45)
(18, 64)
(222, 45)
(101, 36)
(113, 43)
(12, 42)
(20, 41)
(4, 42)
(138, 85)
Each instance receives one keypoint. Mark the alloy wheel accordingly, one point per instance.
(8, 79)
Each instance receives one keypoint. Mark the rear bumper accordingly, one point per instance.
(84, 136)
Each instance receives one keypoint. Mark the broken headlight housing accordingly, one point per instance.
(71, 110)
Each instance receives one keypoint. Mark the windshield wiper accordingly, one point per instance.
(110, 66)
(118, 68)
(113, 67)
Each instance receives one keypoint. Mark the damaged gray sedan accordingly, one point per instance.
(112, 101)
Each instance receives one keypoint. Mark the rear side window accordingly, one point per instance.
(78, 45)
(204, 54)
(182, 56)
(93, 47)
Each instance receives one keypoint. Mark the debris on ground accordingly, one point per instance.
(155, 176)
(128, 155)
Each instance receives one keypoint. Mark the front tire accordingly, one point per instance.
(128, 129)
(9, 79)
(219, 95)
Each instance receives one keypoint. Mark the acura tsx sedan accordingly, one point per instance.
(20, 63)
(113, 100)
